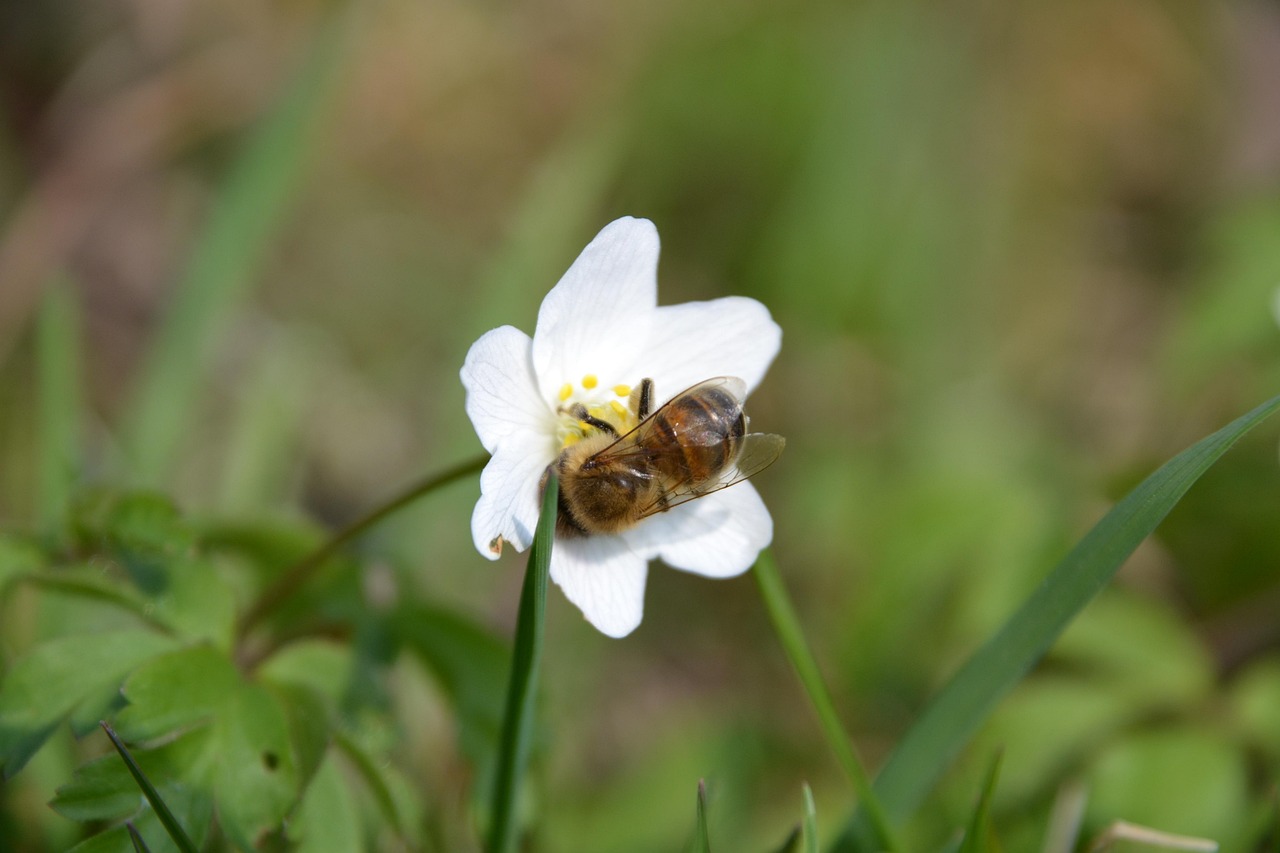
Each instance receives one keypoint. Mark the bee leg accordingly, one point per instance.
(642, 399)
(580, 412)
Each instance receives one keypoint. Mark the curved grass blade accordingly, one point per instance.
(167, 819)
(956, 713)
(810, 821)
(57, 341)
(787, 626)
(517, 723)
(701, 835)
(977, 837)
(139, 845)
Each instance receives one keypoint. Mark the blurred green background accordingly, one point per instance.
(1021, 254)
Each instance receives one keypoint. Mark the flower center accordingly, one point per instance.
(605, 404)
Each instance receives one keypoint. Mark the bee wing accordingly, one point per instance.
(759, 451)
(626, 446)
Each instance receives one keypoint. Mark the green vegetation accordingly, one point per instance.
(1025, 260)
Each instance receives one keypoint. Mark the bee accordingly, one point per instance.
(694, 445)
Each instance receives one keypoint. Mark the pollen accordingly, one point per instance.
(566, 391)
(584, 426)
(571, 439)
(622, 390)
(590, 381)
(618, 409)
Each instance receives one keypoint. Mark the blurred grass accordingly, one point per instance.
(1020, 256)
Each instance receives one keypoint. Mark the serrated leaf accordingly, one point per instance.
(249, 760)
(104, 790)
(46, 685)
(175, 691)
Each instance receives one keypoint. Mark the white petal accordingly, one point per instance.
(604, 578)
(597, 319)
(502, 395)
(693, 341)
(719, 535)
(509, 505)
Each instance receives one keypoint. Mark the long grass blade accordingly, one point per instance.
(961, 707)
(977, 836)
(252, 202)
(517, 723)
(139, 845)
(810, 821)
(787, 626)
(701, 834)
(58, 370)
(167, 819)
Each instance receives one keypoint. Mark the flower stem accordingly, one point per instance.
(300, 572)
(517, 721)
(787, 626)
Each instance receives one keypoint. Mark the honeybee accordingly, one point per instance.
(695, 444)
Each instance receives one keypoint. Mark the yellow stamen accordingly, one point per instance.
(618, 409)
(589, 381)
(566, 391)
(584, 426)
(572, 439)
(622, 390)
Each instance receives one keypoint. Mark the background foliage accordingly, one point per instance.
(1021, 254)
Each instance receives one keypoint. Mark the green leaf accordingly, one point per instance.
(103, 789)
(517, 723)
(328, 819)
(1186, 780)
(701, 835)
(198, 603)
(322, 666)
(250, 758)
(977, 837)
(253, 201)
(18, 556)
(176, 691)
(968, 699)
(309, 726)
(470, 663)
(48, 683)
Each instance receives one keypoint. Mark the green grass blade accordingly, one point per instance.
(517, 723)
(251, 204)
(810, 821)
(58, 370)
(787, 625)
(956, 713)
(139, 845)
(701, 835)
(166, 817)
(977, 836)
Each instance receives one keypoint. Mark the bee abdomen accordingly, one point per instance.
(707, 427)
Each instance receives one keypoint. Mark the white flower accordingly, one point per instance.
(601, 332)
